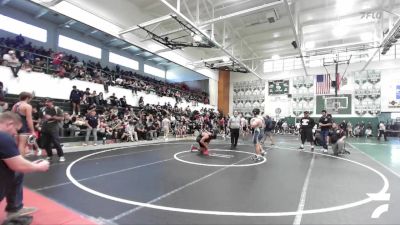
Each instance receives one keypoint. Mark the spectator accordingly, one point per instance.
(350, 130)
(27, 66)
(166, 124)
(325, 123)
(141, 102)
(368, 130)
(113, 100)
(13, 166)
(123, 102)
(130, 131)
(75, 98)
(343, 126)
(12, 61)
(140, 129)
(102, 101)
(68, 128)
(38, 65)
(92, 124)
(382, 131)
(3, 103)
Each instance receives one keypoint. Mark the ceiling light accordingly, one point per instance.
(226, 59)
(276, 35)
(197, 38)
(275, 57)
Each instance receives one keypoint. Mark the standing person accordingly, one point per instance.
(51, 116)
(75, 98)
(268, 129)
(350, 130)
(166, 124)
(325, 124)
(204, 140)
(256, 123)
(382, 131)
(343, 126)
(92, 123)
(24, 110)
(234, 126)
(244, 126)
(306, 130)
(13, 166)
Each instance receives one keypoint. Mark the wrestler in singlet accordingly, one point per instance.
(24, 110)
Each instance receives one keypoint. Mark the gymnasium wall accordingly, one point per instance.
(44, 85)
(388, 86)
(174, 74)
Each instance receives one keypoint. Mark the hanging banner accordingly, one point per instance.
(278, 87)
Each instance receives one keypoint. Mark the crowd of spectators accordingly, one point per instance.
(18, 54)
(113, 120)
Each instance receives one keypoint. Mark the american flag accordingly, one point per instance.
(323, 84)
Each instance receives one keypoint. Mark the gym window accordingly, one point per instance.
(154, 71)
(26, 30)
(78, 46)
(123, 61)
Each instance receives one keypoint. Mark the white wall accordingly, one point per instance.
(390, 69)
(46, 86)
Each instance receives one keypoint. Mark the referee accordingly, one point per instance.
(306, 125)
(234, 126)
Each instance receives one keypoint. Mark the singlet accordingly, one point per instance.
(24, 128)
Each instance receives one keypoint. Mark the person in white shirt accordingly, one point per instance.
(166, 125)
(130, 130)
(285, 127)
(12, 61)
(244, 126)
(382, 131)
(234, 126)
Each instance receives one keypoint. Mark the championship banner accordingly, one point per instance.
(278, 87)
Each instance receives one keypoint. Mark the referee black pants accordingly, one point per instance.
(52, 137)
(306, 135)
(234, 136)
